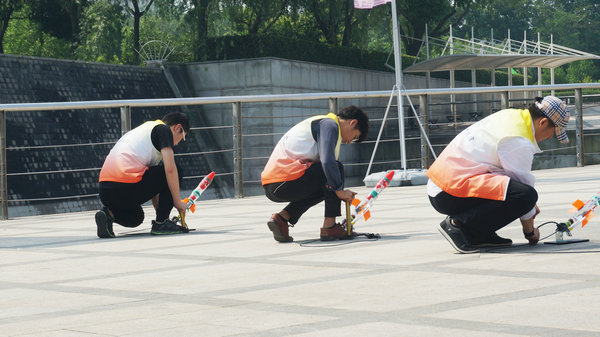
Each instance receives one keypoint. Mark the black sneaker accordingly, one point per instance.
(456, 237)
(492, 241)
(104, 224)
(167, 227)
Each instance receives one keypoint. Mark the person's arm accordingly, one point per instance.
(172, 177)
(326, 133)
(531, 233)
(516, 158)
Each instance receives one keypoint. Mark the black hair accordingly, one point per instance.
(352, 112)
(174, 118)
(536, 112)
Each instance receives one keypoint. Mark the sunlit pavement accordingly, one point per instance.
(230, 278)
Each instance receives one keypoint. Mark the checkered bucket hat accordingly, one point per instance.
(557, 111)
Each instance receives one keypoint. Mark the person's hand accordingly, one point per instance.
(345, 195)
(533, 239)
(180, 205)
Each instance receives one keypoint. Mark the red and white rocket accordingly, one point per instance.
(191, 200)
(362, 208)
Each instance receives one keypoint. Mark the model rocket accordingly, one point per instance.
(362, 208)
(584, 211)
(191, 200)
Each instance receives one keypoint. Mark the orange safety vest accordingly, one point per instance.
(295, 152)
(131, 156)
(469, 166)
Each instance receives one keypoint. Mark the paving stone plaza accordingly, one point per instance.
(230, 278)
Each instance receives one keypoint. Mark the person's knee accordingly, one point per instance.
(526, 197)
(132, 219)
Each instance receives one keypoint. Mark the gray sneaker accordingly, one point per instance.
(456, 237)
(104, 224)
(167, 227)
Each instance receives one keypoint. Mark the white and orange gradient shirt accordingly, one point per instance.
(295, 152)
(483, 158)
(132, 155)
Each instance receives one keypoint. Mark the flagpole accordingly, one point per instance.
(398, 71)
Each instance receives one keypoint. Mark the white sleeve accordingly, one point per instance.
(516, 157)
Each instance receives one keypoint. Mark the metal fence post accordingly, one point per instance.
(424, 115)
(3, 183)
(125, 119)
(333, 105)
(579, 127)
(504, 102)
(238, 176)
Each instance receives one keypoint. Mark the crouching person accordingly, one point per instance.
(304, 170)
(141, 167)
(482, 180)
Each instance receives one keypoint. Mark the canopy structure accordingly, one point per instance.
(487, 61)
(461, 54)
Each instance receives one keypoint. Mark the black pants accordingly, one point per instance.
(125, 200)
(481, 217)
(305, 192)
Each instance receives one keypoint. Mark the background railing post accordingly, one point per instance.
(125, 119)
(504, 102)
(3, 182)
(238, 175)
(424, 115)
(579, 126)
(333, 105)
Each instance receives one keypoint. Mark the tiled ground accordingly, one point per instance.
(229, 278)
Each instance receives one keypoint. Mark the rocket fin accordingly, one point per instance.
(578, 204)
(587, 218)
(367, 215)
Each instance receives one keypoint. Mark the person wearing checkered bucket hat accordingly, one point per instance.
(482, 180)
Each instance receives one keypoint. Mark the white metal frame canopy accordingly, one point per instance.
(462, 54)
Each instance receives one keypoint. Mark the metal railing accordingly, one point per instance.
(237, 114)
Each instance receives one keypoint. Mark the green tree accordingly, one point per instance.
(26, 37)
(335, 19)
(255, 17)
(101, 32)
(436, 14)
(7, 8)
(582, 72)
(167, 26)
(133, 8)
(374, 30)
(499, 16)
(59, 18)
(199, 15)
(572, 23)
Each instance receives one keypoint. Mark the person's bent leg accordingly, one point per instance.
(154, 184)
(119, 206)
(302, 194)
(332, 230)
(457, 235)
(481, 218)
